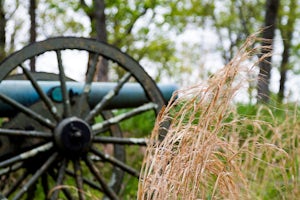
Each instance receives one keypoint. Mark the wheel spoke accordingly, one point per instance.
(123, 116)
(64, 189)
(45, 184)
(52, 108)
(14, 132)
(30, 191)
(96, 110)
(91, 72)
(16, 184)
(116, 162)
(60, 177)
(26, 155)
(36, 175)
(78, 178)
(10, 169)
(106, 189)
(120, 140)
(62, 78)
(86, 181)
(67, 194)
(27, 111)
(88, 81)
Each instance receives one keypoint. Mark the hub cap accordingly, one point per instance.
(73, 136)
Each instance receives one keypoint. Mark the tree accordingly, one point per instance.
(232, 26)
(121, 20)
(100, 27)
(286, 29)
(5, 16)
(263, 92)
(2, 30)
(98, 30)
(32, 14)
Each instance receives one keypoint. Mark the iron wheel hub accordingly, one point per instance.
(73, 136)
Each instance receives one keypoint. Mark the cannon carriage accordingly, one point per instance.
(61, 135)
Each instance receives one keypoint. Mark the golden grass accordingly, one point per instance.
(211, 152)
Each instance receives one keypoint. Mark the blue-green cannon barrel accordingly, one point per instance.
(130, 95)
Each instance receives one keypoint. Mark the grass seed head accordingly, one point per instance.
(202, 155)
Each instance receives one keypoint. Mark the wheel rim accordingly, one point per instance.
(51, 154)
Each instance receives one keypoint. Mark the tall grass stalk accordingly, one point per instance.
(210, 151)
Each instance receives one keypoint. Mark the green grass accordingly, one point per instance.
(266, 181)
(276, 173)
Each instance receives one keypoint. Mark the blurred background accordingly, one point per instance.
(181, 41)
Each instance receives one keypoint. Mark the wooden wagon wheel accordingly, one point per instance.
(67, 137)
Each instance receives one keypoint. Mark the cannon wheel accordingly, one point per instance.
(65, 142)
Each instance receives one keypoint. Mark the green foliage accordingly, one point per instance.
(139, 126)
(61, 17)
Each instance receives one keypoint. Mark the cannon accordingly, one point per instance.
(63, 137)
(130, 95)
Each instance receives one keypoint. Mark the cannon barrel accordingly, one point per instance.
(130, 95)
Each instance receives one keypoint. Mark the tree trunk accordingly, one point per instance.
(97, 18)
(287, 34)
(283, 71)
(2, 31)
(263, 92)
(32, 14)
(101, 35)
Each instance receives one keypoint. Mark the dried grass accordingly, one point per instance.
(203, 155)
